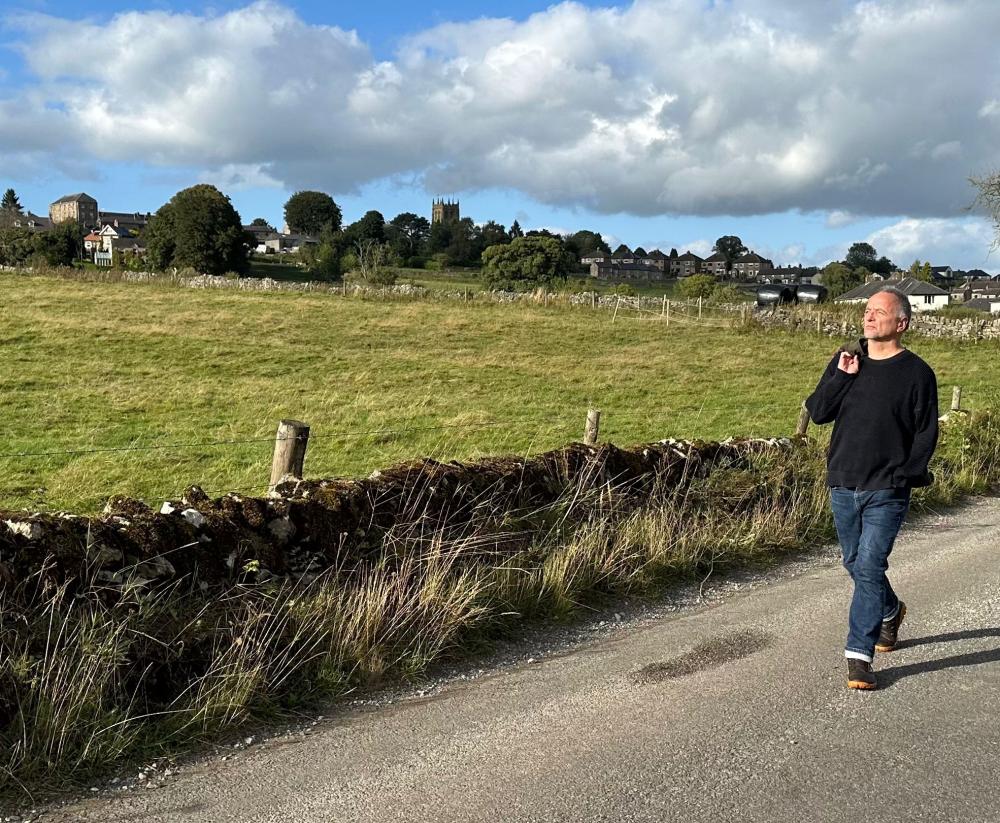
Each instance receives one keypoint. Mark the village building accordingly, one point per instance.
(789, 275)
(131, 222)
(750, 266)
(614, 271)
(923, 296)
(32, 222)
(986, 304)
(685, 265)
(715, 265)
(442, 212)
(80, 207)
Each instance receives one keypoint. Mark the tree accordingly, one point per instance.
(839, 279)
(16, 245)
(884, 265)
(586, 243)
(526, 262)
(371, 257)
(921, 271)
(623, 249)
(673, 253)
(60, 245)
(309, 212)
(988, 201)
(493, 234)
(639, 251)
(371, 226)
(697, 285)
(731, 247)
(262, 223)
(200, 229)
(861, 255)
(407, 234)
(10, 203)
(516, 230)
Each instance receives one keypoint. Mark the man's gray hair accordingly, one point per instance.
(905, 309)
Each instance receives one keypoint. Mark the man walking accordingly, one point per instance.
(883, 399)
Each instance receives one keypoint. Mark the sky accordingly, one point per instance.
(801, 126)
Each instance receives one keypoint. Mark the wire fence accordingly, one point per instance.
(553, 432)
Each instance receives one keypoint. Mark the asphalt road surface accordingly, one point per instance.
(733, 712)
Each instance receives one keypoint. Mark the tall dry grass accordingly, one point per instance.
(93, 678)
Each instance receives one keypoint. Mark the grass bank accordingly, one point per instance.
(95, 677)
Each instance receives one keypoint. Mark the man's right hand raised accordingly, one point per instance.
(849, 363)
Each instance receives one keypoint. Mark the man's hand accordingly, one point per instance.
(849, 363)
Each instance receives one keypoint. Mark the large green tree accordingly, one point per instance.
(585, 243)
(407, 235)
(526, 262)
(861, 255)
(310, 212)
(731, 247)
(16, 245)
(200, 229)
(371, 226)
(839, 279)
(60, 245)
(493, 234)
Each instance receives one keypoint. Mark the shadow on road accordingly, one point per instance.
(949, 637)
(886, 677)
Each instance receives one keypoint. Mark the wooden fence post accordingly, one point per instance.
(803, 424)
(956, 399)
(617, 305)
(663, 308)
(668, 312)
(289, 451)
(819, 321)
(593, 300)
(593, 428)
(699, 307)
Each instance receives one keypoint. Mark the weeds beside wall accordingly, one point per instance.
(141, 633)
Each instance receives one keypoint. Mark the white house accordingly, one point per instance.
(923, 296)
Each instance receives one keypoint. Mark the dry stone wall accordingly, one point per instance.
(309, 526)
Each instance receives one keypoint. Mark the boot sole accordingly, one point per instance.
(885, 648)
(861, 684)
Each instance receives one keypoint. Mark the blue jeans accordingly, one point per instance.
(867, 524)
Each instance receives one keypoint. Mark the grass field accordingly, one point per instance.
(92, 366)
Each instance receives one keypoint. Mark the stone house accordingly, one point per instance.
(749, 266)
(715, 265)
(80, 207)
(685, 264)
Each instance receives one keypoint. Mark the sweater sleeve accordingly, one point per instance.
(824, 403)
(914, 471)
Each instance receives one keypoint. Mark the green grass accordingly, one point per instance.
(97, 365)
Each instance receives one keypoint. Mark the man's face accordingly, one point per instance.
(882, 320)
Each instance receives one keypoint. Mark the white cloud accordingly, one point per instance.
(659, 107)
(943, 242)
(838, 218)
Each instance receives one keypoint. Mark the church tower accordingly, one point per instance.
(442, 212)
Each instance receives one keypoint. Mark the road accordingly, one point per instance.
(737, 711)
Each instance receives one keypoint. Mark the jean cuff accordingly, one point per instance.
(850, 653)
